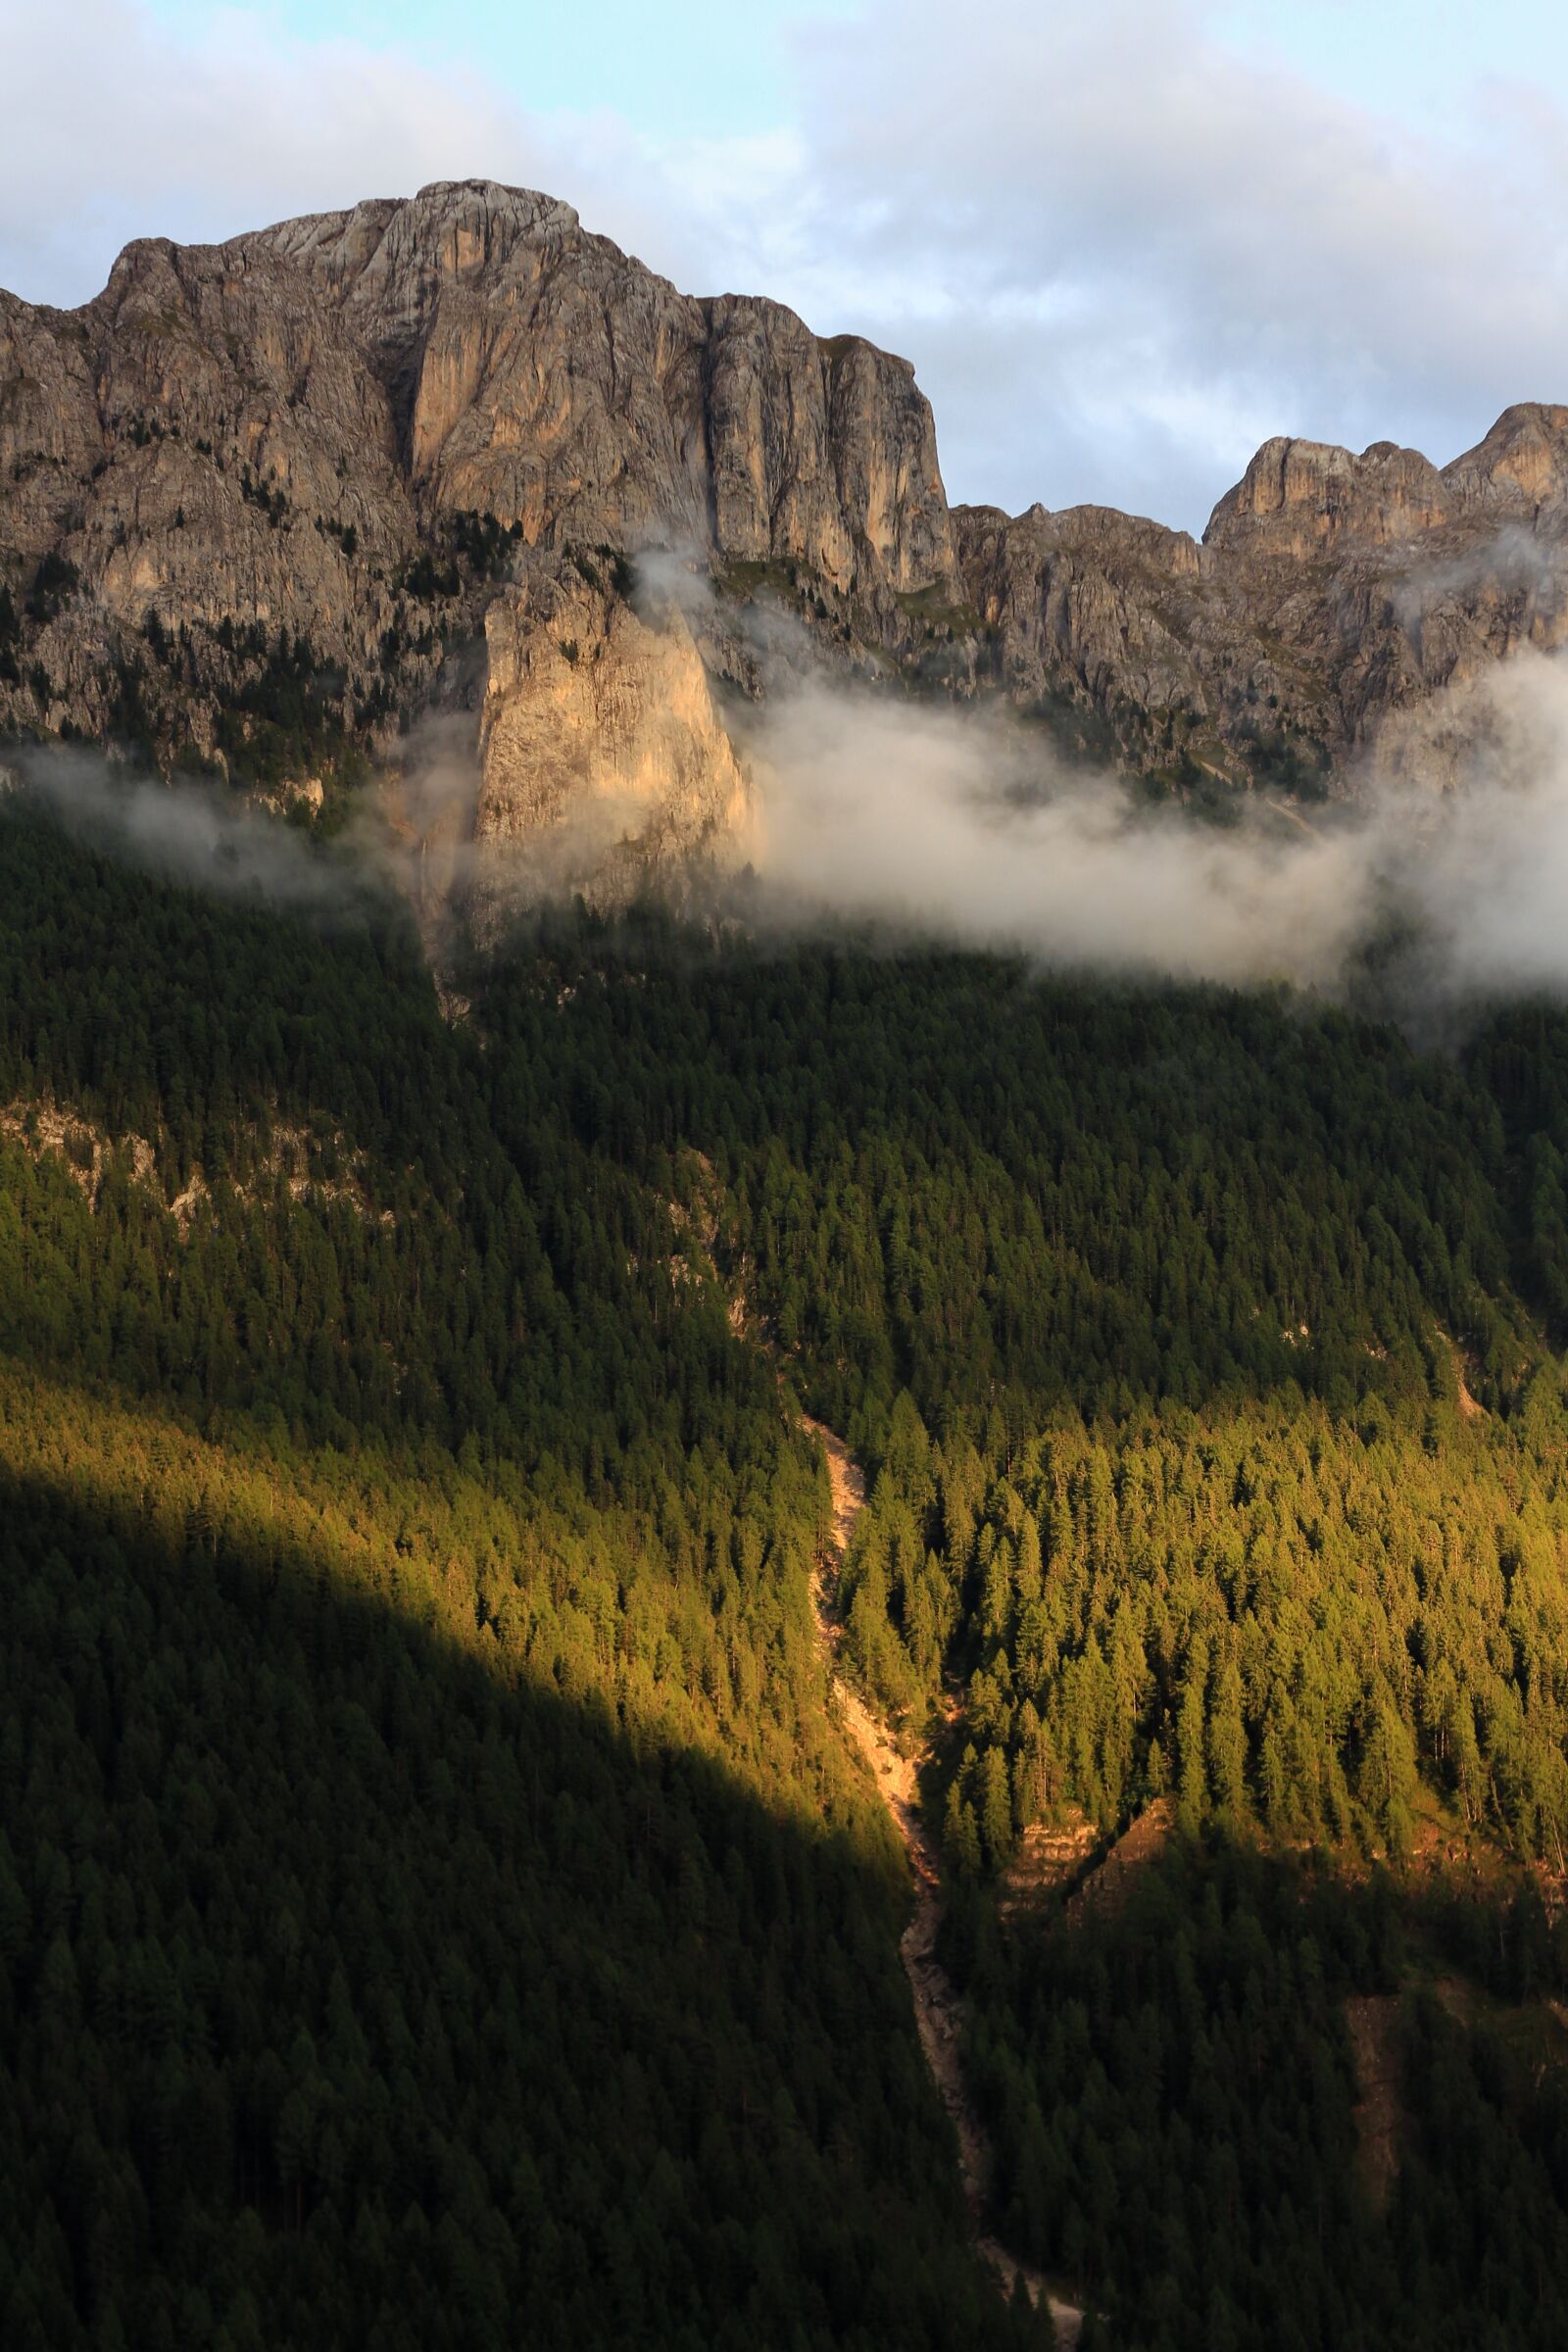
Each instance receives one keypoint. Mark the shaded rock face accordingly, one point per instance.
(601, 744)
(1331, 592)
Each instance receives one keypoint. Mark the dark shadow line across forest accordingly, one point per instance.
(666, 2091)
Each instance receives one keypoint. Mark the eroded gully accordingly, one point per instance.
(937, 2007)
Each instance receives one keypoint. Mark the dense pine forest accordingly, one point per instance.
(436, 1906)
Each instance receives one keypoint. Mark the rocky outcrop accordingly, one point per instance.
(538, 373)
(1520, 470)
(1086, 603)
(1331, 594)
(601, 744)
(197, 472)
(1304, 497)
(263, 504)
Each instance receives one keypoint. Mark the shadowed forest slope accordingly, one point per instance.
(372, 1974)
(414, 1708)
(431, 1892)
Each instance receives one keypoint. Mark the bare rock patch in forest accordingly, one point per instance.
(1380, 2122)
(937, 2007)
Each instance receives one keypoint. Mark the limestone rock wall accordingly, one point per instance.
(300, 431)
(305, 486)
(602, 748)
(1331, 592)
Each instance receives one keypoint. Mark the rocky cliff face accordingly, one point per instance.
(257, 499)
(261, 504)
(1330, 592)
(601, 742)
(535, 372)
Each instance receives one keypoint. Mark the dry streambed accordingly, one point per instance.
(937, 2007)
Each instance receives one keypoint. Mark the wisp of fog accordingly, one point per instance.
(952, 823)
(955, 824)
(1454, 842)
(187, 833)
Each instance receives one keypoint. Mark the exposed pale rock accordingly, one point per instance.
(1301, 498)
(542, 376)
(1520, 469)
(1100, 599)
(602, 752)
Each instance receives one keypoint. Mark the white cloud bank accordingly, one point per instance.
(941, 825)
(946, 825)
(950, 826)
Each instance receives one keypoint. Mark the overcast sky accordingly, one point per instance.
(1123, 242)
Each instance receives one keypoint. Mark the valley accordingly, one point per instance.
(417, 1682)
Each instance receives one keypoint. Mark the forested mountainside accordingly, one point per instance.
(436, 1900)
(433, 1901)
(265, 504)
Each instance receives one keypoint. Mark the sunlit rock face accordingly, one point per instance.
(603, 754)
(1301, 498)
(360, 447)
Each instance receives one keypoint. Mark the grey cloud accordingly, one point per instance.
(1512, 556)
(954, 827)
(1281, 259)
(936, 823)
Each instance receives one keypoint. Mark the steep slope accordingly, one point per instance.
(937, 2008)
(435, 1909)
(429, 1886)
(538, 373)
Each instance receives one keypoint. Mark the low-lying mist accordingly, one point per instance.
(195, 834)
(411, 837)
(1438, 877)
(956, 825)
(1437, 874)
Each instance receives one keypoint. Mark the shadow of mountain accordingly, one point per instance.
(353, 1990)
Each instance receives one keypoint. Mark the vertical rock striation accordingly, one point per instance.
(263, 504)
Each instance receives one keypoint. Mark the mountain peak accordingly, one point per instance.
(1300, 498)
(355, 430)
(1520, 466)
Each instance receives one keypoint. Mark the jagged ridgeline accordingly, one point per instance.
(266, 505)
(436, 1901)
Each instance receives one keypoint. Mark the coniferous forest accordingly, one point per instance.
(437, 1904)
